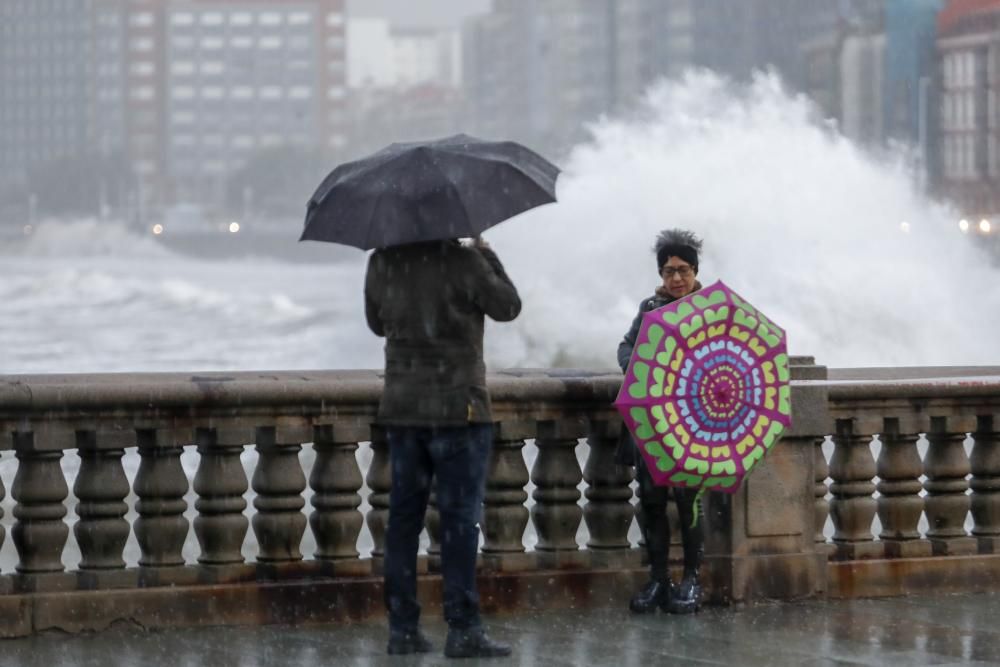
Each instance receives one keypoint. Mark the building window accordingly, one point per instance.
(141, 19)
(300, 93)
(182, 18)
(211, 18)
(142, 68)
(182, 67)
(211, 93)
(211, 43)
(142, 44)
(212, 67)
(271, 42)
(334, 19)
(241, 18)
(271, 93)
(270, 18)
(242, 42)
(299, 18)
(183, 92)
(143, 93)
(241, 92)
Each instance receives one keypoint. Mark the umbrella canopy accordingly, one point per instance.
(425, 191)
(706, 393)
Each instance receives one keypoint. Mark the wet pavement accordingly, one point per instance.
(944, 630)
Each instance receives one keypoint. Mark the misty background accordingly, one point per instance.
(840, 159)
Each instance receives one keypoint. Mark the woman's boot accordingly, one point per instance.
(686, 597)
(654, 594)
(656, 535)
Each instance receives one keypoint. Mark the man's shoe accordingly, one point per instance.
(402, 643)
(654, 594)
(686, 598)
(473, 643)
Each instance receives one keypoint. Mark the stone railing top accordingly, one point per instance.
(941, 387)
(215, 389)
(245, 389)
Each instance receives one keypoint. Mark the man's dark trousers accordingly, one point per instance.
(457, 457)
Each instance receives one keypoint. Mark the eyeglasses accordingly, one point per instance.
(682, 271)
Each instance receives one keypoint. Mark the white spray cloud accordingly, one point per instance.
(796, 218)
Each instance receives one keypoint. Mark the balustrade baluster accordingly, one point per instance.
(278, 481)
(899, 503)
(3, 531)
(160, 485)
(336, 482)
(379, 480)
(947, 505)
(821, 506)
(556, 514)
(220, 484)
(608, 512)
(505, 516)
(40, 490)
(101, 488)
(853, 507)
(985, 502)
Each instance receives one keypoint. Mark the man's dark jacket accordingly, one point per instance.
(429, 301)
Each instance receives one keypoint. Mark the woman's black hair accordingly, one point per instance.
(677, 243)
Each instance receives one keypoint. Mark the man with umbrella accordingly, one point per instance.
(429, 301)
(428, 295)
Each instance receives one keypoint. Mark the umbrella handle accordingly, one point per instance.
(697, 506)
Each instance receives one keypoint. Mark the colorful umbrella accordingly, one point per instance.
(706, 393)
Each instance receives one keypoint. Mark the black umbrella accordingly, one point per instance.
(424, 191)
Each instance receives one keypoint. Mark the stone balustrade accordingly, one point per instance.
(563, 522)
(937, 466)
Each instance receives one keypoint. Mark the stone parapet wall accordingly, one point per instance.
(557, 509)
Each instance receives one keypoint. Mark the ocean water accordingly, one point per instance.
(797, 219)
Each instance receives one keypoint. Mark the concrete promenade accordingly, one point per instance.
(945, 630)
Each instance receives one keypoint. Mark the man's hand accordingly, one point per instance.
(480, 243)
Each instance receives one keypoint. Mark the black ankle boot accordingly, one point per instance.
(473, 643)
(654, 594)
(403, 643)
(686, 596)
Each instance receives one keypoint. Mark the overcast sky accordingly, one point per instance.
(419, 13)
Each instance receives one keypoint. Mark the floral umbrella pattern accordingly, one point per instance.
(706, 393)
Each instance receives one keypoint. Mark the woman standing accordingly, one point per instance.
(677, 261)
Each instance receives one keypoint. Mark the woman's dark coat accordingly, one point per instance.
(626, 453)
